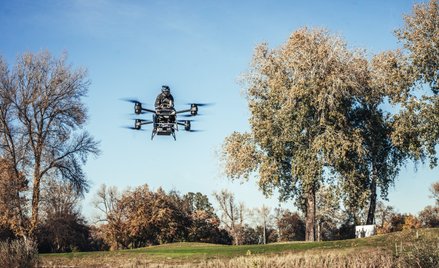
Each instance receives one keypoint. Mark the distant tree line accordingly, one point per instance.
(141, 217)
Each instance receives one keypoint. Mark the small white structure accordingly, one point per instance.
(365, 230)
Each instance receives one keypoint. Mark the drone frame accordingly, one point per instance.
(163, 128)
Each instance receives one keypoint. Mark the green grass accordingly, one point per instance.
(199, 252)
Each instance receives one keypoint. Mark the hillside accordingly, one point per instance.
(384, 250)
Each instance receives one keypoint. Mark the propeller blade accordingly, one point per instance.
(195, 130)
(202, 104)
(130, 100)
(189, 115)
(134, 101)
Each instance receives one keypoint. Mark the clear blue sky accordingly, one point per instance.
(198, 48)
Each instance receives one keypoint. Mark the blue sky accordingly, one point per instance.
(198, 48)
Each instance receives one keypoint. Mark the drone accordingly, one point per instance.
(164, 119)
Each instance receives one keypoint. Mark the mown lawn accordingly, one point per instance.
(180, 253)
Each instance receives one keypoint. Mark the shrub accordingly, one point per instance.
(18, 253)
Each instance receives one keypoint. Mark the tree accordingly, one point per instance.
(328, 212)
(300, 97)
(62, 227)
(429, 217)
(198, 201)
(205, 225)
(435, 192)
(291, 226)
(411, 222)
(106, 201)
(113, 228)
(232, 215)
(403, 76)
(250, 236)
(395, 224)
(378, 165)
(140, 217)
(42, 117)
(384, 214)
(263, 216)
(59, 198)
(400, 77)
(170, 222)
(415, 126)
(419, 36)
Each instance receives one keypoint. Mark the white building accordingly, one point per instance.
(365, 230)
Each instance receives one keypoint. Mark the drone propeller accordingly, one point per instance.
(202, 104)
(130, 100)
(189, 115)
(138, 123)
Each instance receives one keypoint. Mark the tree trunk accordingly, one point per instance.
(19, 206)
(319, 231)
(373, 200)
(35, 201)
(310, 234)
(264, 233)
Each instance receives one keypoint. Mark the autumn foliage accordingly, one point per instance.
(141, 217)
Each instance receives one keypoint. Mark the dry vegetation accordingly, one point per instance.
(18, 253)
(412, 248)
(314, 258)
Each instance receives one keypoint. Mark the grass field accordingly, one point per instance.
(377, 251)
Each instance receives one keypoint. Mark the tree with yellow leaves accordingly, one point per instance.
(316, 109)
(300, 97)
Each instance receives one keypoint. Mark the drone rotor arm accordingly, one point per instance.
(183, 111)
(145, 122)
(148, 110)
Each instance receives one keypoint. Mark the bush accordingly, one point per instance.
(18, 253)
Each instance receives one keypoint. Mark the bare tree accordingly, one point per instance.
(106, 201)
(384, 213)
(263, 218)
(42, 117)
(232, 214)
(61, 227)
(434, 189)
(59, 198)
(12, 151)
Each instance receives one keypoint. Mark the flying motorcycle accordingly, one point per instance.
(164, 118)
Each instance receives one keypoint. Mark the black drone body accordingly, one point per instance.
(164, 119)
